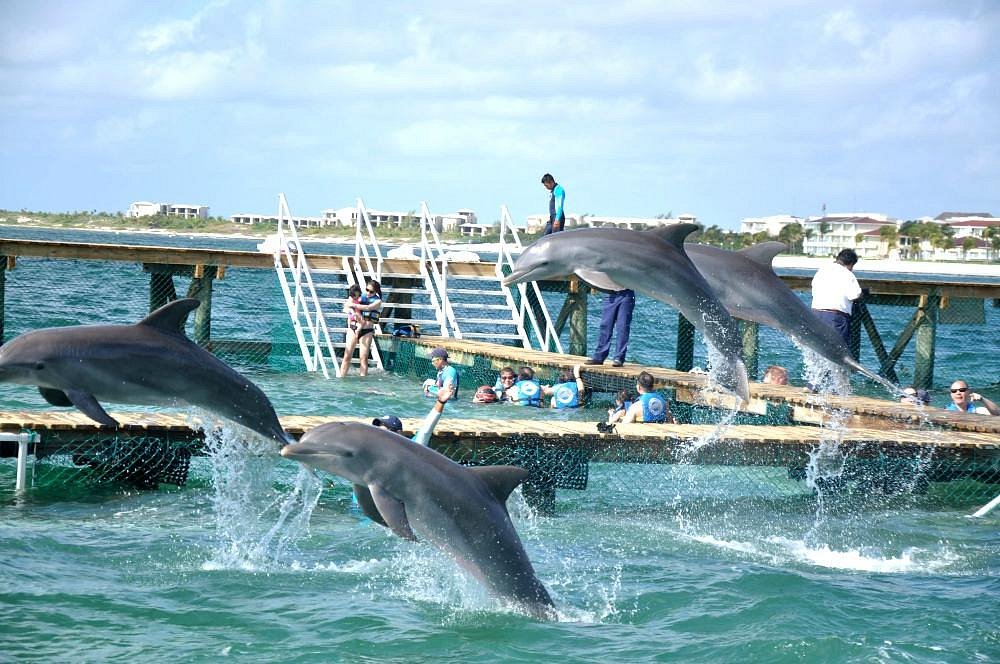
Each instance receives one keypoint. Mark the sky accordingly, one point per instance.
(638, 108)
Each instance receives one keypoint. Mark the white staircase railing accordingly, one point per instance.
(300, 295)
(434, 269)
(543, 329)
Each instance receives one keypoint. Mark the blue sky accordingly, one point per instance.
(720, 109)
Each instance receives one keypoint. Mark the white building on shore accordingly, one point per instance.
(147, 209)
(771, 225)
(347, 217)
(855, 230)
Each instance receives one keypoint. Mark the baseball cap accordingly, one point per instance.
(439, 352)
(390, 422)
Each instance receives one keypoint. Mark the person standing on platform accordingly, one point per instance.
(616, 316)
(557, 202)
(368, 309)
(834, 290)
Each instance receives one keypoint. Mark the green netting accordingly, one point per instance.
(136, 461)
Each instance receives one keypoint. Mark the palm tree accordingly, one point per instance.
(889, 235)
(968, 244)
(792, 235)
(992, 235)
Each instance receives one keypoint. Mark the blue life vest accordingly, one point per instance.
(566, 395)
(374, 314)
(529, 392)
(654, 407)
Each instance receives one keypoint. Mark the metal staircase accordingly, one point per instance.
(459, 303)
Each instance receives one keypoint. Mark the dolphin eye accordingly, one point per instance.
(39, 366)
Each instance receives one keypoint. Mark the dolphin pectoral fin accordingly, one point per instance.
(674, 233)
(87, 404)
(598, 279)
(171, 316)
(500, 480)
(393, 511)
(764, 252)
(54, 396)
(367, 504)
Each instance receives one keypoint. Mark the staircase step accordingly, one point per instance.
(476, 305)
(418, 321)
(488, 321)
(407, 305)
(403, 275)
(487, 335)
(475, 291)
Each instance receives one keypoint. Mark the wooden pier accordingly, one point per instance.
(934, 302)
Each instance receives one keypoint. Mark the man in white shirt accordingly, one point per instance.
(834, 289)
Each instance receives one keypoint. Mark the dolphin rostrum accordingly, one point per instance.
(461, 510)
(747, 286)
(150, 363)
(615, 259)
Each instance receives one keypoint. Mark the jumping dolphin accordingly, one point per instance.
(461, 510)
(615, 259)
(747, 286)
(151, 363)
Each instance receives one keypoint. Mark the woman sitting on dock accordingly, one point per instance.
(368, 308)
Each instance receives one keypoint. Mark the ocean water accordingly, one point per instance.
(255, 560)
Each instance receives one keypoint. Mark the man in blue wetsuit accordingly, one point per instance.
(557, 202)
(447, 375)
(650, 406)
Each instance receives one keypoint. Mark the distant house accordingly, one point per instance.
(832, 233)
(147, 209)
(250, 219)
(771, 225)
(536, 222)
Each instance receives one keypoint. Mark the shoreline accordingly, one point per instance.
(967, 269)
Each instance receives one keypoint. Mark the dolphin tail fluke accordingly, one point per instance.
(852, 363)
(732, 375)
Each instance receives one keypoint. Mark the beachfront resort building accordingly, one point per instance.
(147, 209)
(825, 236)
(771, 225)
(347, 217)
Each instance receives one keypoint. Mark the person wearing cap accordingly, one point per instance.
(914, 396)
(447, 375)
(964, 399)
(423, 433)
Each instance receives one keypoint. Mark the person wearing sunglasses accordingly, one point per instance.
(964, 399)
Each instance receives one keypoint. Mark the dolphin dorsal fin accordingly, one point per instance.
(764, 252)
(674, 233)
(172, 315)
(501, 480)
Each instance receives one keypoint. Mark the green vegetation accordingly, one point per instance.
(118, 221)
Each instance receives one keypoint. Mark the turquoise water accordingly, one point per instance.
(651, 563)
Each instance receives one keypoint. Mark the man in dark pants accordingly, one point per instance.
(616, 314)
(557, 200)
(834, 290)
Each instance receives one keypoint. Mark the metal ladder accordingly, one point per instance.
(315, 298)
(418, 303)
(525, 299)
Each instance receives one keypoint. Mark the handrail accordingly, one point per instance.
(436, 277)
(304, 295)
(363, 227)
(544, 330)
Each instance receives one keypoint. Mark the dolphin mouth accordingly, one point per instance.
(517, 276)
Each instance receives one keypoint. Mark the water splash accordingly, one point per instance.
(257, 521)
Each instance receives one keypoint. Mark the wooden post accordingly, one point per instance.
(923, 370)
(750, 347)
(161, 289)
(577, 318)
(3, 294)
(685, 344)
(201, 288)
